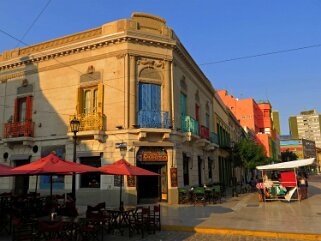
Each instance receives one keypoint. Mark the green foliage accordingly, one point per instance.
(249, 154)
(288, 156)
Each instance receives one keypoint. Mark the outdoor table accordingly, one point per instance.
(119, 218)
(70, 224)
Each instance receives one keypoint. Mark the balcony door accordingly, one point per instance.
(90, 101)
(23, 109)
(149, 114)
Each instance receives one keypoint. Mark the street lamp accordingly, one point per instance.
(123, 149)
(74, 127)
(234, 192)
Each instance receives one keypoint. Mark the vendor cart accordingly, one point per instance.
(287, 184)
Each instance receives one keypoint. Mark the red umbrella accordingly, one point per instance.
(122, 167)
(53, 165)
(7, 171)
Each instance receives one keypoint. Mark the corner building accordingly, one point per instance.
(130, 81)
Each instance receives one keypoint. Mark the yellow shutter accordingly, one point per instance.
(79, 101)
(100, 98)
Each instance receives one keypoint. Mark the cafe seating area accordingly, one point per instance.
(207, 194)
(56, 218)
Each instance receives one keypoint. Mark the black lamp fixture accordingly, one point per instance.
(74, 127)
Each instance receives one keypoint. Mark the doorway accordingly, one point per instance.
(152, 189)
(21, 182)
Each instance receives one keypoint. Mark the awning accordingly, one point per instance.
(287, 165)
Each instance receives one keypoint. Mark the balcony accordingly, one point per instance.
(214, 138)
(89, 121)
(204, 132)
(19, 129)
(189, 125)
(153, 119)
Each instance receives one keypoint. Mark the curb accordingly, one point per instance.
(242, 232)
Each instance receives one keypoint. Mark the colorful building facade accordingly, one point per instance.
(301, 147)
(258, 118)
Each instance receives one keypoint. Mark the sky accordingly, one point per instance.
(213, 32)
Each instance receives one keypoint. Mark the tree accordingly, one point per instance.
(249, 154)
(288, 156)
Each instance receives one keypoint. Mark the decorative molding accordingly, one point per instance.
(90, 69)
(50, 56)
(151, 63)
(61, 41)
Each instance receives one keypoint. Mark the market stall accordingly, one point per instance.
(281, 181)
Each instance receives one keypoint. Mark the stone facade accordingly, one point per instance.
(98, 76)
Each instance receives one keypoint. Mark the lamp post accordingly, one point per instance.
(74, 126)
(123, 149)
(234, 192)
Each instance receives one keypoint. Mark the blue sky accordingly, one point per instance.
(211, 31)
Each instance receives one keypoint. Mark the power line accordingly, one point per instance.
(33, 23)
(263, 54)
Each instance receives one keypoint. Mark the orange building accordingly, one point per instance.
(257, 117)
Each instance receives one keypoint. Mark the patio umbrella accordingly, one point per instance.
(122, 167)
(53, 165)
(6, 171)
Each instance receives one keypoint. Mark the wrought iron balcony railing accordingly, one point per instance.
(214, 138)
(189, 124)
(204, 132)
(89, 121)
(18, 129)
(153, 119)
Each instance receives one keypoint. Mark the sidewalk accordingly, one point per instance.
(244, 215)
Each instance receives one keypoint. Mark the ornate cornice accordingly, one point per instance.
(39, 57)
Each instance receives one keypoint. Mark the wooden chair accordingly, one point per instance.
(69, 210)
(140, 221)
(54, 231)
(91, 210)
(155, 218)
(22, 230)
(89, 229)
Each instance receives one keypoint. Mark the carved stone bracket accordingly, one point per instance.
(211, 147)
(142, 135)
(166, 136)
(187, 137)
